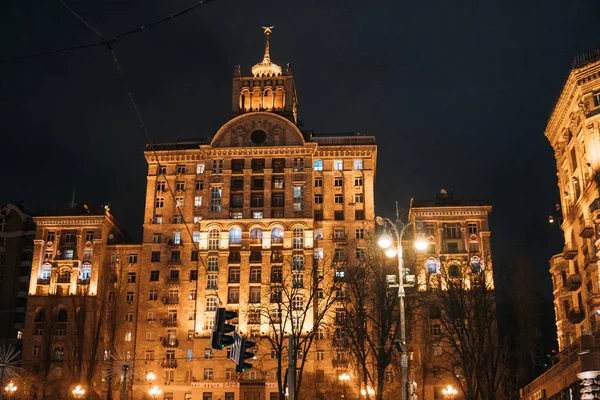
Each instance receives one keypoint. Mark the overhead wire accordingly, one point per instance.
(105, 42)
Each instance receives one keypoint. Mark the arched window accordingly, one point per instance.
(62, 315)
(277, 236)
(213, 239)
(40, 315)
(64, 277)
(298, 239)
(256, 235)
(235, 236)
(86, 272)
(453, 271)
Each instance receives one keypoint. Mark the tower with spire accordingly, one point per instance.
(268, 89)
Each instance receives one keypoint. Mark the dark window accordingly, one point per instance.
(257, 200)
(318, 215)
(155, 256)
(237, 166)
(194, 255)
(237, 184)
(199, 185)
(154, 276)
(131, 277)
(277, 200)
(258, 164)
(194, 275)
(237, 201)
(278, 165)
(359, 215)
(339, 215)
(258, 184)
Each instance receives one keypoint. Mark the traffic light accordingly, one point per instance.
(220, 337)
(242, 365)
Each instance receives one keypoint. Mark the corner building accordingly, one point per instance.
(223, 217)
(573, 132)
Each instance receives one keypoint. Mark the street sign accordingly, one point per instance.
(236, 347)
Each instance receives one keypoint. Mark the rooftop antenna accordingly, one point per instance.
(72, 203)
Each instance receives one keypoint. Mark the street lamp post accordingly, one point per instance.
(344, 378)
(78, 392)
(449, 392)
(155, 392)
(386, 242)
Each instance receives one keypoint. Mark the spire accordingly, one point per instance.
(266, 67)
(267, 57)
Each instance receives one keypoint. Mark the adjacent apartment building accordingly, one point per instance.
(573, 131)
(459, 250)
(226, 221)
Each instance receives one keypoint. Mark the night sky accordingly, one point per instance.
(457, 94)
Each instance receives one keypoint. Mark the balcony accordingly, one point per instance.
(255, 257)
(170, 300)
(340, 238)
(590, 261)
(576, 315)
(169, 323)
(340, 364)
(234, 257)
(340, 342)
(173, 281)
(41, 281)
(168, 363)
(170, 343)
(569, 252)
(587, 230)
(574, 282)
(174, 243)
(83, 281)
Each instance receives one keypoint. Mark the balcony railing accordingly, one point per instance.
(170, 343)
(173, 281)
(569, 252)
(255, 256)
(170, 300)
(339, 363)
(41, 281)
(573, 282)
(576, 315)
(276, 257)
(340, 237)
(276, 239)
(168, 363)
(168, 322)
(83, 281)
(174, 243)
(587, 230)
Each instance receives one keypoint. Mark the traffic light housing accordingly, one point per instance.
(220, 337)
(242, 365)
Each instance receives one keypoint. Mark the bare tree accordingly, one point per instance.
(370, 321)
(463, 306)
(299, 305)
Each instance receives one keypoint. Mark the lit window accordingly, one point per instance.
(318, 254)
(213, 239)
(215, 199)
(318, 165)
(179, 202)
(338, 165)
(196, 236)
(298, 239)
(298, 197)
(358, 164)
(257, 214)
(176, 237)
(211, 303)
(208, 374)
(237, 215)
(197, 201)
(199, 168)
(128, 337)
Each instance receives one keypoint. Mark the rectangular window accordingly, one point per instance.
(318, 234)
(452, 247)
(157, 238)
(338, 215)
(338, 165)
(255, 275)
(474, 247)
(277, 200)
(212, 281)
(436, 329)
(234, 275)
(318, 215)
(160, 186)
(197, 201)
(298, 197)
(257, 184)
(129, 297)
(318, 182)
(258, 164)
(278, 183)
(181, 169)
(472, 226)
(160, 202)
(208, 374)
(358, 181)
(257, 200)
(133, 259)
(451, 231)
(359, 233)
(153, 294)
(318, 199)
(197, 219)
(50, 236)
(208, 353)
(158, 219)
(338, 181)
(359, 215)
(237, 184)
(255, 294)
(199, 168)
(199, 185)
(338, 199)
(131, 277)
(237, 166)
(359, 253)
(154, 276)
(298, 164)
(179, 185)
(359, 198)
(213, 264)
(257, 214)
(215, 199)
(89, 236)
(318, 165)
(193, 275)
(217, 166)
(233, 296)
(237, 201)
(193, 294)
(179, 202)
(358, 164)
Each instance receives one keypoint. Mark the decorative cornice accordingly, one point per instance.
(81, 220)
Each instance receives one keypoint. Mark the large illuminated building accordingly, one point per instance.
(225, 218)
(573, 131)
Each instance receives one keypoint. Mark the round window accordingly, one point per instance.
(258, 137)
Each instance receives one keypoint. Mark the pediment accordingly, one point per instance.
(258, 129)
